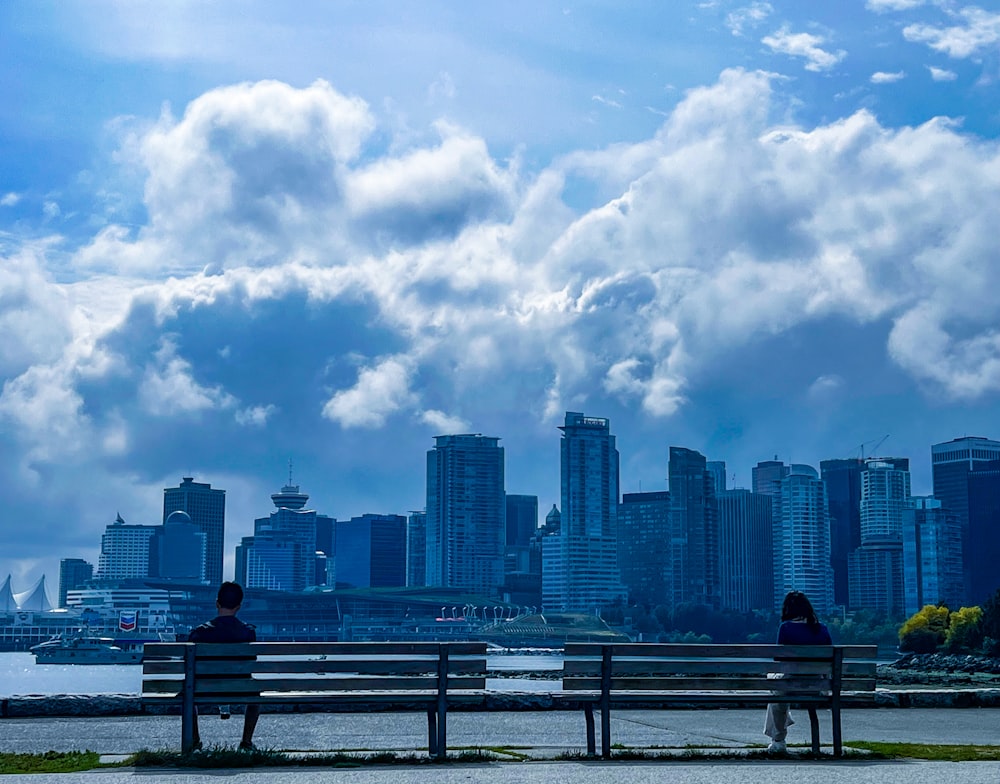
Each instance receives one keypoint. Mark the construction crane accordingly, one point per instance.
(874, 449)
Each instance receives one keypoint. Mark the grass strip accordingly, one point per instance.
(926, 751)
(49, 762)
(225, 757)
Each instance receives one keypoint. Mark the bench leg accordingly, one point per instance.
(588, 717)
(606, 731)
(442, 749)
(814, 728)
(432, 733)
(838, 740)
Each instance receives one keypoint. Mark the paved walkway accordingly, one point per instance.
(564, 773)
(540, 734)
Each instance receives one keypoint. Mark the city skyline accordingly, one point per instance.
(231, 235)
(238, 534)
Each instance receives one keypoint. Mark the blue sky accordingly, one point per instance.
(234, 234)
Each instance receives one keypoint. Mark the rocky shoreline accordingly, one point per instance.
(940, 669)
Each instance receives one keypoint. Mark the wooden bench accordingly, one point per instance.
(393, 676)
(676, 676)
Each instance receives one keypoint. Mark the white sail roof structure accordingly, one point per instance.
(34, 599)
(7, 603)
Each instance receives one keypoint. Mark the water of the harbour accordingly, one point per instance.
(20, 675)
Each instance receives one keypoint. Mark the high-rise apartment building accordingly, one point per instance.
(73, 573)
(207, 508)
(371, 551)
(643, 552)
(124, 551)
(951, 464)
(466, 524)
(932, 556)
(580, 563)
(745, 550)
(693, 545)
(801, 531)
(875, 570)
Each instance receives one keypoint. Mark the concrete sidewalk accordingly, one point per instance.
(539, 735)
(563, 773)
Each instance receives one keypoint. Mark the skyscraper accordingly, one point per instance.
(875, 572)
(801, 531)
(843, 490)
(207, 509)
(745, 550)
(416, 549)
(177, 550)
(124, 551)
(643, 546)
(371, 551)
(932, 556)
(73, 574)
(580, 563)
(284, 543)
(466, 513)
(693, 545)
(951, 463)
(984, 532)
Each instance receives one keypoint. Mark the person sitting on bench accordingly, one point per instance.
(226, 627)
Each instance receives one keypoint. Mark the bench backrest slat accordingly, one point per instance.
(717, 668)
(227, 671)
(171, 650)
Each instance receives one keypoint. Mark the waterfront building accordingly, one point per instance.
(177, 549)
(580, 563)
(693, 554)
(73, 573)
(951, 463)
(416, 549)
(7, 603)
(371, 551)
(206, 507)
(466, 524)
(643, 539)
(932, 556)
(124, 551)
(745, 550)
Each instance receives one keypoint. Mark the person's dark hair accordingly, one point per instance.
(230, 595)
(797, 605)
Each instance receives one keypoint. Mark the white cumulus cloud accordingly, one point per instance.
(942, 74)
(977, 30)
(168, 387)
(380, 391)
(444, 424)
(806, 46)
(884, 77)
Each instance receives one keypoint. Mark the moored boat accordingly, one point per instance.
(83, 649)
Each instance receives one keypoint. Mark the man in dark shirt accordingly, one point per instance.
(226, 627)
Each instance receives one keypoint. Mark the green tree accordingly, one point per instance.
(965, 631)
(925, 630)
